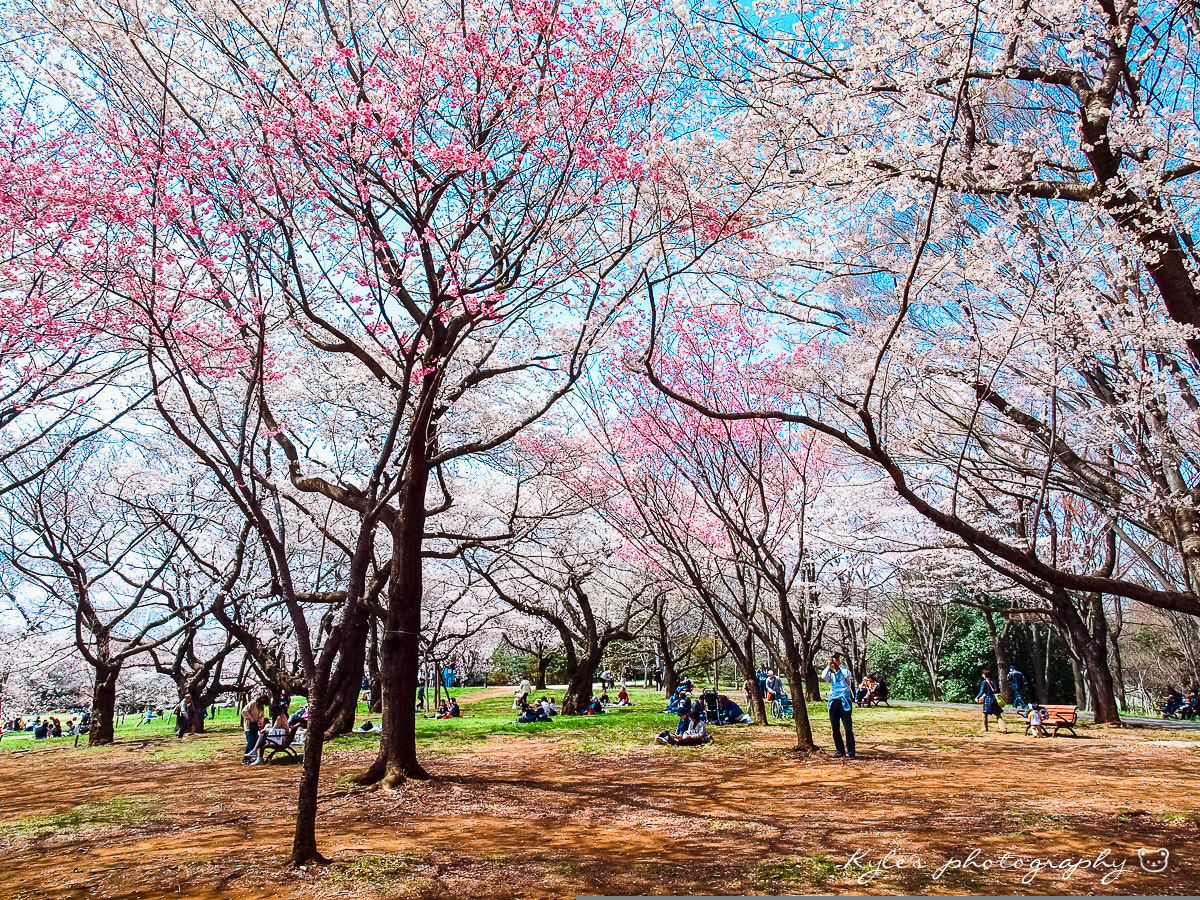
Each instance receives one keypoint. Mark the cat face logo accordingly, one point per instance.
(1154, 861)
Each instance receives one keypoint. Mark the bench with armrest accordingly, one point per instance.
(280, 741)
(1062, 716)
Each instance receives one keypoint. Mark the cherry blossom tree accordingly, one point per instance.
(90, 563)
(977, 270)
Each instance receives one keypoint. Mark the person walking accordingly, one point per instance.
(1017, 680)
(841, 704)
(991, 703)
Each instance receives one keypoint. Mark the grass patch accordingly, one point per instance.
(788, 870)
(1177, 818)
(117, 812)
(1031, 822)
(734, 825)
(373, 873)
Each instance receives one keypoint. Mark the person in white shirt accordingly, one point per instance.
(697, 732)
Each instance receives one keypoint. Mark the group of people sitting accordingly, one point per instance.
(718, 709)
(49, 727)
(1175, 706)
(449, 709)
(537, 711)
(872, 690)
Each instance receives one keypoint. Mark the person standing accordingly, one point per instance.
(186, 717)
(421, 696)
(1017, 680)
(254, 718)
(991, 705)
(841, 704)
(772, 685)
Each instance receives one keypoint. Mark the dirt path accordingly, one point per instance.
(522, 817)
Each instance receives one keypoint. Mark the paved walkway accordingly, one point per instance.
(1084, 716)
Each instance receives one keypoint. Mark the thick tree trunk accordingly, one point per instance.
(543, 665)
(1100, 682)
(1089, 652)
(104, 705)
(397, 758)
(580, 682)
(670, 676)
(345, 685)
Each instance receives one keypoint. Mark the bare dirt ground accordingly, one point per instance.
(530, 817)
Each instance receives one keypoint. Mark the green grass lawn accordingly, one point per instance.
(484, 717)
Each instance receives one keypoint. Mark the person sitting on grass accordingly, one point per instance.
(41, 730)
(697, 733)
(551, 709)
(443, 711)
(731, 712)
(367, 726)
(533, 713)
(604, 698)
(623, 698)
(280, 734)
(455, 712)
(595, 707)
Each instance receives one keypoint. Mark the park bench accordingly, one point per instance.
(1056, 717)
(276, 745)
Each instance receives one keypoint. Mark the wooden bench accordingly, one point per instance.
(1056, 717)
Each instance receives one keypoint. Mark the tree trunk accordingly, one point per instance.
(580, 681)
(1033, 643)
(670, 676)
(1114, 636)
(997, 636)
(397, 759)
(345, 685)
(795, 671)
(1089, 656)
(104, 705)
(1100, 682)
(758, 706)
(1081, 694)
(542, 666)
(812, 683)
(304, 842)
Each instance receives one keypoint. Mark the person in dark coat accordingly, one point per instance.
(991, 705)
